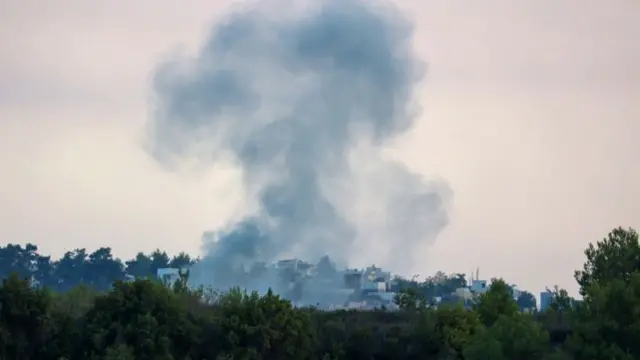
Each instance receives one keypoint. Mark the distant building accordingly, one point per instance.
(352, 279)
(373, 278)
(479, 286)
(546, 298)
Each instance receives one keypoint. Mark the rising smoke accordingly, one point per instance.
(289, 93)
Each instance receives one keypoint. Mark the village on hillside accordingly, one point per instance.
(322, 286)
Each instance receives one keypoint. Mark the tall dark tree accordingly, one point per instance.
(15, 258)
(45, 272)
(24, 319)
(495, 302)
(159, 260)
(181, 260)
(526, 301)
(102, 269)
(615, 257)
(514, 336)
(264, 327)
(145, 316)
(606, 325)
(70, 269)
(140, 266)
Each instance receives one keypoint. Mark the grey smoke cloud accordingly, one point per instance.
(288, 95)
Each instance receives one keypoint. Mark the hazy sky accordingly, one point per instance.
(532, 114)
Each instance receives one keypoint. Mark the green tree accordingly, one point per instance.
(557, 317)
(70, 270)
(496, 301)
(615, 257)
(159, 260)
(262, 327)
(140, 267)
(516, 336)
(606, 325)
(19, 260)
(410, 299)
(25, 323)
(526, 301)
(181, 260)
(120, 352)
(102, 269)
(454, 328)
(75, 302)
(145, 316)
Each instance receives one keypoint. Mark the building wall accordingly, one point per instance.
(353, 279)
(546, 297)
(379, 286)
(479, 286)
(373, 278)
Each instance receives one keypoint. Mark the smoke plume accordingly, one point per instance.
(289, 93)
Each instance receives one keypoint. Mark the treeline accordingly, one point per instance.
(98, 270)
(144, 319)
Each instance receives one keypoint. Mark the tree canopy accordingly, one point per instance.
(86, 309)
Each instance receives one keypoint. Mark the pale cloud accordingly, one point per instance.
(531, 111)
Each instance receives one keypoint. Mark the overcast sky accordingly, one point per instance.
(532, 114)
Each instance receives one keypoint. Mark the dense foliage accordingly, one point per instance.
(97, 270)
(79, 315)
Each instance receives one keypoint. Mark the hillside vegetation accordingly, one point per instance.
(144, 319)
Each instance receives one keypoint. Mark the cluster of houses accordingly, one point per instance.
(336, 290)
(366, 288)
(363, 289)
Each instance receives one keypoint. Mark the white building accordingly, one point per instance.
(479, 286)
